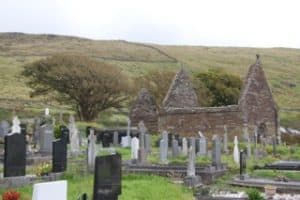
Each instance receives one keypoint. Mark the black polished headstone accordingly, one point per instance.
(65, 133)
(15, 155)
(106, 139)
(59, 155)
(107, 179)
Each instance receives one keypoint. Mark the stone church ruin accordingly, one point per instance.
(181, 114)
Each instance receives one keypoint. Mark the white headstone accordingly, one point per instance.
(134, 148)
(125, 141)
(236, 156)
(50, 190)
(16, 125)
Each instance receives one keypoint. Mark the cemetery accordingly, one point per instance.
(176, 150)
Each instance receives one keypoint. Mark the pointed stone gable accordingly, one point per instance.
(144, 109)
(256, 101)
(181, 93)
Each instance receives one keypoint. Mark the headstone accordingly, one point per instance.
(36, 132)
(175, 147)
(50, 190)
(128, 132)
(225, 140)
(249, 148)
(216, 151)
(92, 150)
(134, 148)
(107, 180)
(74, 136)
(106, 140)
(202, 146)
(23, 128)
(124, 141)
(16, 125)
(148, 143)
(191, 180)
(236, 151)
(4, 128)
(59, 156)
(142, 151)
(14, 155)
(192, 142)
(170, 137)
(163, 148)
(242, 165)
(46, 138)
(116, 139)
(47, 112)
(184, 147)
(65, 133)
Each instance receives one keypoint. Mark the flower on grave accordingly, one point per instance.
(11, 195)
(43, 169)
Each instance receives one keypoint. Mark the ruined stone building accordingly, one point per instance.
(181, 114)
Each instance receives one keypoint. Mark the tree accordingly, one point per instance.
(223, 88)
(157, 82)
(88, 85)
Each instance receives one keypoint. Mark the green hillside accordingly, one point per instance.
(281, 65)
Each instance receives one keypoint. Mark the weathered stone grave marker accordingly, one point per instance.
(216, 151)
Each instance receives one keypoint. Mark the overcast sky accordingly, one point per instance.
(255, 23)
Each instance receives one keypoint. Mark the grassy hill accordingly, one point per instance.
(281, 65)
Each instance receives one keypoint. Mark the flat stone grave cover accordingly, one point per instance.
(59, 156)
(14, 155)
(107, 177)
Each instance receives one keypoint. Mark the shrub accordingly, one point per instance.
(43, 169)
(57, 132)
(254, 194)
(11, 195)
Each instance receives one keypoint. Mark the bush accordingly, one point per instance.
(254, 194)
(57, 132)
(11, 195)
(43, 169)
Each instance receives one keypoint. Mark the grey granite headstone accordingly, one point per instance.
(225, 140)
(107, 178)
(116, 139)
(142, 151)
(148, 143)
(14, 155)
(192, 142)
(59, 155)
(216, 151)
(191, 180)
(202, 146)
(175, 147)
(184, 147)
(46, 139)
(163, 147)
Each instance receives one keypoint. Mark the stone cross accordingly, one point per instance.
(225, 140)
(216, 151)
(92, 152)
(134, 148)
(236, 151)
(184, 147)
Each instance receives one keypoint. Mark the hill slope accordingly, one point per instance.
(281, 65)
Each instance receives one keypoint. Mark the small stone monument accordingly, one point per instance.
(4, 128)
(236, 151)
(175, 147)
(192, 143)
(107, 178)
(216, 151)
(184, 147)
(202, 145)
(134, 149)
(191, 180)
(92, 152)
(142, 151)
(116, 139)
(242, 165)
(148, 143)
(163, 148)
(59, 156)
(74, 136)
(16, 128)
(225, 140)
